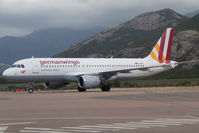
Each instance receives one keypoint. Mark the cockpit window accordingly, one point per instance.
(22, 66)
(18, 66)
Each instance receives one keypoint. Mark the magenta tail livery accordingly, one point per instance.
(162, 50)
(91, 72)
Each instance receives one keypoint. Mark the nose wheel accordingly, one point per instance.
(30, 89)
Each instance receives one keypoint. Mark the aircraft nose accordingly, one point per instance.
(6, 73)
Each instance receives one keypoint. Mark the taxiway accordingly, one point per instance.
(138, 110)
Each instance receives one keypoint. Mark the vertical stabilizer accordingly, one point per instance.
(162, 50)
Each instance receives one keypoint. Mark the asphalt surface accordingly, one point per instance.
(140, 110)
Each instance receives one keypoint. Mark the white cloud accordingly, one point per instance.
(23, 16)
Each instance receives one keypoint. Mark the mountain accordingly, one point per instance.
(185, 48)
(186, 40)
(134, 38)
(192, 14)
(138, 36)
(41, 43)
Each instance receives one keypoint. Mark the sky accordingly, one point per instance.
(21, 17)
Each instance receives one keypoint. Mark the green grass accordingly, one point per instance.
(156, 83)
(12, 85)
(122, 84)
(21, 85)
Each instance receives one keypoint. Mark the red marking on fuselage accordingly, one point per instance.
(23, 71)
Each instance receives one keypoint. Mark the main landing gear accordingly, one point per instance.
(105, 88)
(81, 89)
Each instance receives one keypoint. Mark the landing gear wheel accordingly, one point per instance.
(30, 90)
(105, 88)
(81, 89)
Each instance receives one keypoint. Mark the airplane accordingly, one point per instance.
(92, 72)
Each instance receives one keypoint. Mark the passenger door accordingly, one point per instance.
(35, 67)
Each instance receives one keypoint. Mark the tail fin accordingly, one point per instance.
(162, 50)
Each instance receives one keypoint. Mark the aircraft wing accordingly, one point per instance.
(105, 75)
(108, 74)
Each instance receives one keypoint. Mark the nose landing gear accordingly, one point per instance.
(30, 88)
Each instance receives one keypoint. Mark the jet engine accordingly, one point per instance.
(54, 85)
(88, 81)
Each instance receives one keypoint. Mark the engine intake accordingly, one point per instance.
(54, 85)
(88, 81)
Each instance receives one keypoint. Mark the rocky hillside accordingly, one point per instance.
(186, 41)
(134, 38)
(137, 37)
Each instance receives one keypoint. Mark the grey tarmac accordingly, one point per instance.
(126, 110)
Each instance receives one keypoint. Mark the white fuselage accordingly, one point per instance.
(69, 69)
(91, 72)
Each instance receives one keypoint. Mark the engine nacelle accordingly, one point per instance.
(88, 81)
(54, 85)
